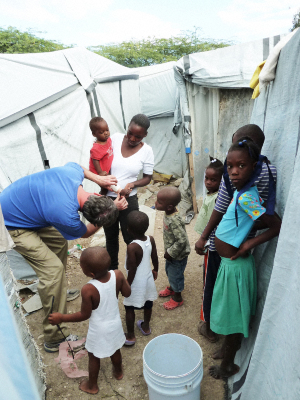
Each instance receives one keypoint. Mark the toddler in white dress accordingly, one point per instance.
(99, 303)
(141, 277)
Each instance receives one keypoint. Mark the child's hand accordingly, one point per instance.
(199, 246)
(167, 256)
(154, 273)
(55, 318)
(243, 251)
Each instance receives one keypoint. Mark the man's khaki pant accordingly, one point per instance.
(46, 251)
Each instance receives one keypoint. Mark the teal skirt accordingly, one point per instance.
(234, 296)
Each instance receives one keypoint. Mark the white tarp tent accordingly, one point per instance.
(159, 97)
(46, 104)
(215, 97)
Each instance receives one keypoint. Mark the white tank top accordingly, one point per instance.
(105, 335)
(143, 286)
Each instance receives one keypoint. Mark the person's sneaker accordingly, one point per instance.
(53, 347)
(72, 294)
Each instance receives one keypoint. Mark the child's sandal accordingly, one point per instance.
(166, 292)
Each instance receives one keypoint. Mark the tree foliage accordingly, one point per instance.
(14, 41)
(150, 51)
(296, 21)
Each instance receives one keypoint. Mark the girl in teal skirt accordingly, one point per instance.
(234, 296)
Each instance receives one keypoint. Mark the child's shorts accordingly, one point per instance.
(148, 305)
(175, 273)
(234, 296)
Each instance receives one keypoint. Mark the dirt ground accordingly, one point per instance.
(182, 320)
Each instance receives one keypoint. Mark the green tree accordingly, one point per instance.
(14, 41)
(296, 21)
(150, 51)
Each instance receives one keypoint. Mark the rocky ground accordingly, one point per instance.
(182, 320)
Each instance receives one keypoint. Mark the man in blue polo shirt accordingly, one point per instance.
(41, 213)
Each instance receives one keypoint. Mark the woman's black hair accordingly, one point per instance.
(216, 165)
(248, 145)
(141, 120)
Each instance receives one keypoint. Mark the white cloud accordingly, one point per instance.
(78, 9)
(53, 11)
(127, 24)
(262, 18)
(29, 10)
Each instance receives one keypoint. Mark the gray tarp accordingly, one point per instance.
(273, 347)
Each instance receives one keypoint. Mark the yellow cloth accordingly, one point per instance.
(254, 83)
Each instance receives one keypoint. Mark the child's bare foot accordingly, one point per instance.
(211, 336)
(85, 387)
(118, 373)
(219, 354)
(218, 372)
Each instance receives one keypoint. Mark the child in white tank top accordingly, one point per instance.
(105, 336)
(140, 275)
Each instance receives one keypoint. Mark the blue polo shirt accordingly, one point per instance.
(47, 198)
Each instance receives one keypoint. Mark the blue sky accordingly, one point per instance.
(93, 22)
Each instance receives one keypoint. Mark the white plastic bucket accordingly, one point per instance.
(151, 214)
(173, 367)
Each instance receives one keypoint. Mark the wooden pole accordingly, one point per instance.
(193, 186)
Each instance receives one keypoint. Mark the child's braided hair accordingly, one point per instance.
(247, 144)
(216, 165)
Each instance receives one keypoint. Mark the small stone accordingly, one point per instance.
(50, 390)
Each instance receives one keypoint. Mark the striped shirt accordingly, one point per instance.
(223, 199)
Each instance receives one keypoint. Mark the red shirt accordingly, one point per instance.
(104, 154)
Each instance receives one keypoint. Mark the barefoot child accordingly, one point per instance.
(176, 243)
(212, 180)
(105, 335)
(101, 154)
(234, 295)
(140, 276)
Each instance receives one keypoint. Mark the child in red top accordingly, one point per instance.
(101, 154)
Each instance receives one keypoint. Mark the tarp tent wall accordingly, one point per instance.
(216, 99)
(159, 97)
(46, 104)
(22, 377)
(269, 358)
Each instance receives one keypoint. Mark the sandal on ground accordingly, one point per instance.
(139, 325)
(172, 304)
(166, 292)
(129, 342)
(189, 216)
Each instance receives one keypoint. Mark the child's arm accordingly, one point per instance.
(139, 183)
(97, 167)
(122, 284)
(273, 222)
(180, 242)
(134, 257)
(103, 181)
(87, 293)
(154, 258)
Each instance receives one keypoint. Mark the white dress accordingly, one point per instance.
(105, 334)
(143, 286)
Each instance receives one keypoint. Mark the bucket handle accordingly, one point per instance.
(189, 387)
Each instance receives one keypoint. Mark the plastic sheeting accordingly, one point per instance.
(56, 130)
(215, 115)
(273, 346)
(228, 67)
